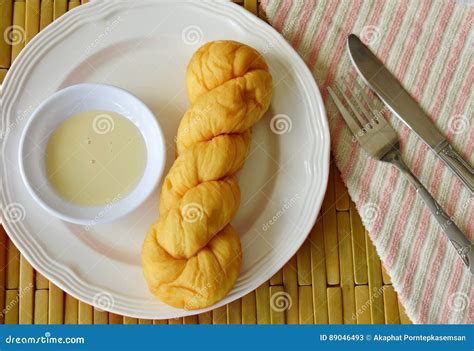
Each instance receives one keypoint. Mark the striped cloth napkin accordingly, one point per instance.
(428, 45)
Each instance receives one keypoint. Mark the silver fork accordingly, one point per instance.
(381, 141)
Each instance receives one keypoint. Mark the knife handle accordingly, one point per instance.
(460, 167)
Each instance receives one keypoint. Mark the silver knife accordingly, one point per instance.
(391, 92)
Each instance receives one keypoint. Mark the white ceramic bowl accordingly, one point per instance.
(66, 103)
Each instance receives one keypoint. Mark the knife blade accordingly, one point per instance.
(400, 102)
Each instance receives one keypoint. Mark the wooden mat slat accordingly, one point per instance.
(290, 284)
(263, 303)
(161, 321)
(115, 318)
(358, 247)
(40, 281)
(71, 310)
(46, 13)
(249, 308)
(13, 266)
(180, 321)
(130, 320)
(318, 274)
(403, 316)
(32, 19)
(277, 311)
(85, 314)
(305, 299)
(335, 277)
(219, 315)
(18, 43)
(190, 320)
(335, 305)
(362, 299)
(385, 276)
(303, 263)
(3, 263)
(330, 232)
(277, 278)
(3, 73)
(72, 4)
(11, 307)
(234, 312)
(56, 305)
(390, 303)
(340, 191)
(375, 284)
(26, 291)
(205, 318)
(346, 269)
(100, 317)
(6, 21)
(251, 5)
(60, 8)
(146, 321)
(41, 307)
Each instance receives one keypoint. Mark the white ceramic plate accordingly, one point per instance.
(143, 47)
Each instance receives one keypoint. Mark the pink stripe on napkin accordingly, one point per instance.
(307, 10)
(281, 15)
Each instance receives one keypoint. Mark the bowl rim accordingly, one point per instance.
(146, 192)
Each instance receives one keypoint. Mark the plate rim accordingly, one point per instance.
(100, 9)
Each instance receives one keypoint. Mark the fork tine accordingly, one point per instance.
(369, 114)
(361, 90)
(369, 106)
(359, 117)
(350, 121)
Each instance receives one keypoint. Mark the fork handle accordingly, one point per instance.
(463, 246)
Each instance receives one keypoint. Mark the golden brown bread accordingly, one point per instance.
(191, 256)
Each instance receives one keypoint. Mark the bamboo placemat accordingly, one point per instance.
(336, 276)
